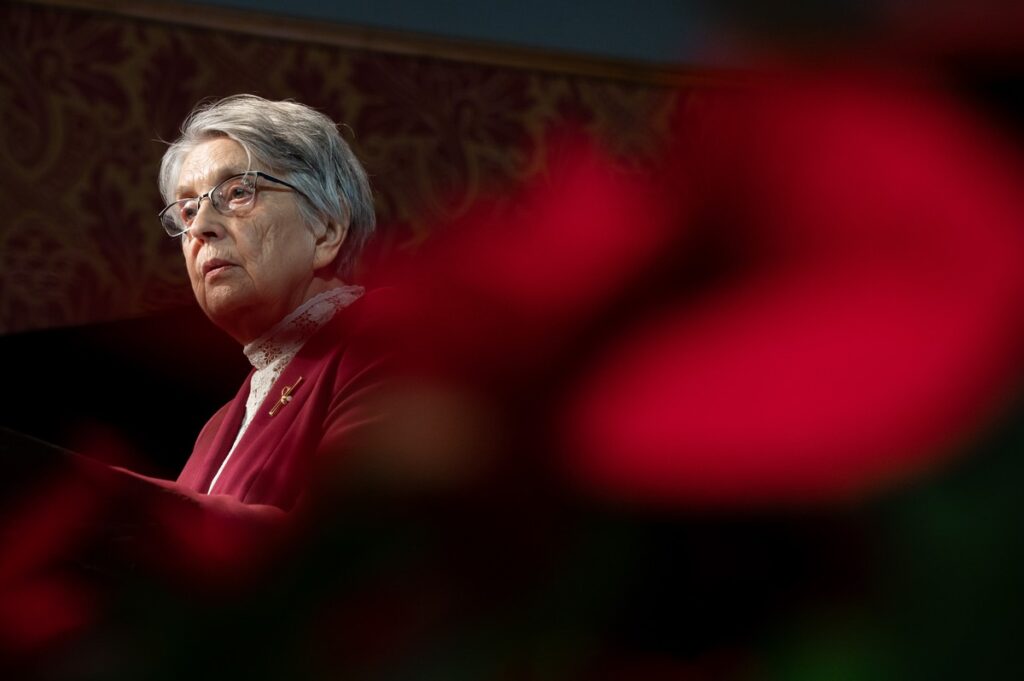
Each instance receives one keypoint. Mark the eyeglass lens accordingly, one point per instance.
(231, 195)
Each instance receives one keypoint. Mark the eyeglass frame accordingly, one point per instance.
(209, 195)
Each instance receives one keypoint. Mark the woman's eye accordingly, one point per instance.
(238, 191)
(188, 211)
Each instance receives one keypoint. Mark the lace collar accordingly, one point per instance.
(288, 335)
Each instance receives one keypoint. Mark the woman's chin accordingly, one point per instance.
(229, 312)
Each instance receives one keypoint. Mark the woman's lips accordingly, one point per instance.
(214, 267)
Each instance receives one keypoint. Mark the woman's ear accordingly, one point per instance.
(328, 243)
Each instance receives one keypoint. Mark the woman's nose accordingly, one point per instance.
(207, 224)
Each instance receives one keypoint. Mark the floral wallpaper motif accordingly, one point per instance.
(86, 101)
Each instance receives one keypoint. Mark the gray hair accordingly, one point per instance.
(295, 142)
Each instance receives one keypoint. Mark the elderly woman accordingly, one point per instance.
(272, 209)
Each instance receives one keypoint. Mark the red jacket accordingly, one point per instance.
(342, 371)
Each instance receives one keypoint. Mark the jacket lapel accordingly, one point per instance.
(205, 462)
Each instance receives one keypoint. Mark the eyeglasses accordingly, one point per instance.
(232, 197)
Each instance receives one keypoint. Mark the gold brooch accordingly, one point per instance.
(286, 396)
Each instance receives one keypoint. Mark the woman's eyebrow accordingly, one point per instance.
(186, 191)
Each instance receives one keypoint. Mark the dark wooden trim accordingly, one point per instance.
(398, 42)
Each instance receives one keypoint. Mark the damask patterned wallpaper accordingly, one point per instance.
(88, 98)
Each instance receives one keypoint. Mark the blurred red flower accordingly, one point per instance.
(819, 290)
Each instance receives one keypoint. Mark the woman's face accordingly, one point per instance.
(247, 272)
